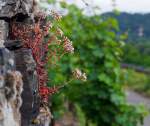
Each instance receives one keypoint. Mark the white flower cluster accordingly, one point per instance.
(68, 47)
(56, 16)
(77, 74)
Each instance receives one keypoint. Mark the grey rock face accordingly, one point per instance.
(27, 66)
(11, 87)
(9, 8)
(3, 32)
(15, 57)
(6, 61)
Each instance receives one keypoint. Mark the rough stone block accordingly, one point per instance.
(3, 32)
(10, 90)
(9, 8)
(27, 66)
(6, 61)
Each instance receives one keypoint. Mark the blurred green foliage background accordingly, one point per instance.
(98, 52)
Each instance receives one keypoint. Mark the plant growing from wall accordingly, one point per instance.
(47, 50)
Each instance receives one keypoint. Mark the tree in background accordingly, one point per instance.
(99, 52)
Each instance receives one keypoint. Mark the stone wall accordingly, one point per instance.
(9, 8)
(11, 87)
(19, 100)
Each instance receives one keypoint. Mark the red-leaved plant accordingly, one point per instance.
(34, 37)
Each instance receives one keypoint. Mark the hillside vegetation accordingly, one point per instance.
(136, 28)
(136, 50)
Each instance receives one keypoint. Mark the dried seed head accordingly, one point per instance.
(59, 42)
(84, 77)
(59, 32)
(77, 74)
(41, 15)
(56, 16)
(47, 27)
(68, 47)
